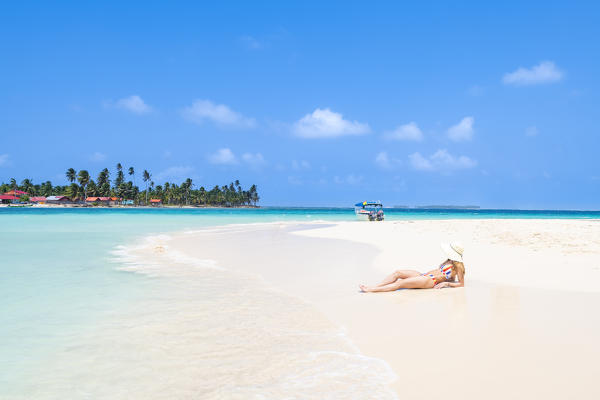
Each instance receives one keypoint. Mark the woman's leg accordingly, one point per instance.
(417, 282)
(399, 274)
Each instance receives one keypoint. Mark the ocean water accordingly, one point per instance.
(84, 315)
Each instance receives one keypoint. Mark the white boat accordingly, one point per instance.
(369, 210)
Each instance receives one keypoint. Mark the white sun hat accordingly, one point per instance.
(453, 250)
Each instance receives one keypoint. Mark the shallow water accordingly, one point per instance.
(200, 331)
(70, 305)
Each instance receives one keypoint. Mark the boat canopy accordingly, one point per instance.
(369, 204)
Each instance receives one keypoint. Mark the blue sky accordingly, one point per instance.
(318, 103)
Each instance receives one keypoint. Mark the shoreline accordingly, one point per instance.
(241, 335)
(122, 207)
(400, 210)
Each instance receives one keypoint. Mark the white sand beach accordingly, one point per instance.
(525, 326)
(273, 310)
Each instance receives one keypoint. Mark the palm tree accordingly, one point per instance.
(202, 195)
(168, 192)
(135, 193)
(146, 176)
(92, 188)
(232, 195)
(132, 173)
(187, 186)
(27, 186)
(152, 187)
(104, 177)
(71, 175)
(103, 182)
(83, 178)
(254, 195)
(72, 191)
(120, 177)
(13, 185)
(46, 189)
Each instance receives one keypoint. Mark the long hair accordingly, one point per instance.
(458, 267)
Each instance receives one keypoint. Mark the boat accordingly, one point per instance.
(369, 210)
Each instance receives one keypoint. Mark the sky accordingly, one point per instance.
(317, 103)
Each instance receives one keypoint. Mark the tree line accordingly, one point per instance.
(82, 186)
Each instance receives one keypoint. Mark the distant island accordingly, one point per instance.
(450, 207)
(84, 191)
(441, 207)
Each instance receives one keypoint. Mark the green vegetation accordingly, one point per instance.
(82, 186)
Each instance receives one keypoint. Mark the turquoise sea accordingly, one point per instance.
(59, 273)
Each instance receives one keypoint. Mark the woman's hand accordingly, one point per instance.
(441, 285)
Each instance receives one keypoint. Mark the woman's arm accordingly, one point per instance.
(460, 283)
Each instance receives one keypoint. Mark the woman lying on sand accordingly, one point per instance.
(443, 276)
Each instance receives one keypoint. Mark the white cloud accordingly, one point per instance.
(221, 115)
(133, 103)
(175, 173)
(254, 160)
(383, 160)
(441, 161)
(408, 131)
(419, 162)
(544, 72)
(98, 157)
(300, 165)
(463, 130)
(296, 180)
(4, 159)
(324, 123)
(532, 131)
(446, 160)
(349, 179)
(223, 157)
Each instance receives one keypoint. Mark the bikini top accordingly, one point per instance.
(446, 269)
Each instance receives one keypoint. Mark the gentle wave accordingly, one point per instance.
(206, 332)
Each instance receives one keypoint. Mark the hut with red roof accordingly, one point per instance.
(105, 201)
(37, 199)
(8, 198)
(17, 193)
(58, 200)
